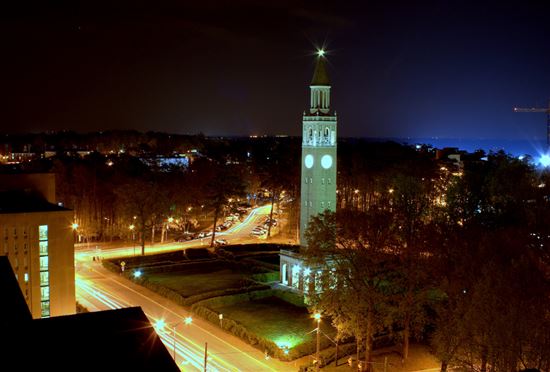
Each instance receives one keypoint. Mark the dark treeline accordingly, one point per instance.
(127, 195)
(458, 256)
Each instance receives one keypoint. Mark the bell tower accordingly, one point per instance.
(318, 177)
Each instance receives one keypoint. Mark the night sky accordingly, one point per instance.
(432, 69)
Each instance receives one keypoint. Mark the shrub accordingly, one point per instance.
(198, 253)
(266, 277)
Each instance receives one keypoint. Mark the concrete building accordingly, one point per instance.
(37, 238)
(318, 177)
(113, 340)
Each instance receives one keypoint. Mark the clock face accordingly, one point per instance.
(326, 161)
(308, 161)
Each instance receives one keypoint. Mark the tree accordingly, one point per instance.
(354, 250)
(225, 182)
(142, 202)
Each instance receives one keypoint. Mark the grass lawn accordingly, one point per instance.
(193, 283)
(285, 324)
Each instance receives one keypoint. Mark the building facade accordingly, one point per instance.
(318, 176)
(37, 238)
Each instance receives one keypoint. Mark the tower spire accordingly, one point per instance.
(320, 75)
(320, 87)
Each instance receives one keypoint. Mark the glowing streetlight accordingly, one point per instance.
(132, 227)
(74, 226)
(544, 160)
(160, 324)
(137, 273)
(320, 52)
(170, 219)
(317, 317)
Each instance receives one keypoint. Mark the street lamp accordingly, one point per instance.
(187, 321)
(317, 317)
(132, 227)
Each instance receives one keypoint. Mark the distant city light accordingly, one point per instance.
(544, 160)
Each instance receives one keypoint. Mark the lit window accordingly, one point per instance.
(26, 277)
(322, 204)
(43, 248)
(45, 293)
(329, 182)
(43, 263)
(322, 181)
(44, 278)
(43, 232)
(45, 307)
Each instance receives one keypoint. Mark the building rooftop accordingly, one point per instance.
(21, 201)
(121, 340)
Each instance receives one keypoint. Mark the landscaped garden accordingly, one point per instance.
(285, 324)
(234, 281)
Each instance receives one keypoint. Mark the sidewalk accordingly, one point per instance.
(420, 359)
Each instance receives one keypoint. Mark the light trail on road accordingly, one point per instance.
(103, 290)
(188, 350)
(239, 234)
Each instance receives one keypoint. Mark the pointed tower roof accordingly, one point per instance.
(320, 75)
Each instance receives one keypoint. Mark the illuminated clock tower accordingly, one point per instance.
(318, 189)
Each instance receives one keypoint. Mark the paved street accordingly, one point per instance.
(98, 289)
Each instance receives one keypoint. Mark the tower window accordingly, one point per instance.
(323, 204)
(310, 204)
(310, 180)
(306, 179)
(322, 181)
(310, 133)
(329, 181)
(326, 132)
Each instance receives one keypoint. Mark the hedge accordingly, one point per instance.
(258, 247)
(266, 277)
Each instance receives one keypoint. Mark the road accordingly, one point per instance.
(99, 289)
(237, 234)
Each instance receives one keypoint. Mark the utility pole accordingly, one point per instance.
(317, 317)
(205, 355)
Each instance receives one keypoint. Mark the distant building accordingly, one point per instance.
(113, 340)
(37, 238)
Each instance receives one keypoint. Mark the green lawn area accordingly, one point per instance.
(192, 283)
(283, 323)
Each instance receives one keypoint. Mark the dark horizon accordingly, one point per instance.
(397, 70)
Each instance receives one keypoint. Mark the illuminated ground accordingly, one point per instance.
(286, 324)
